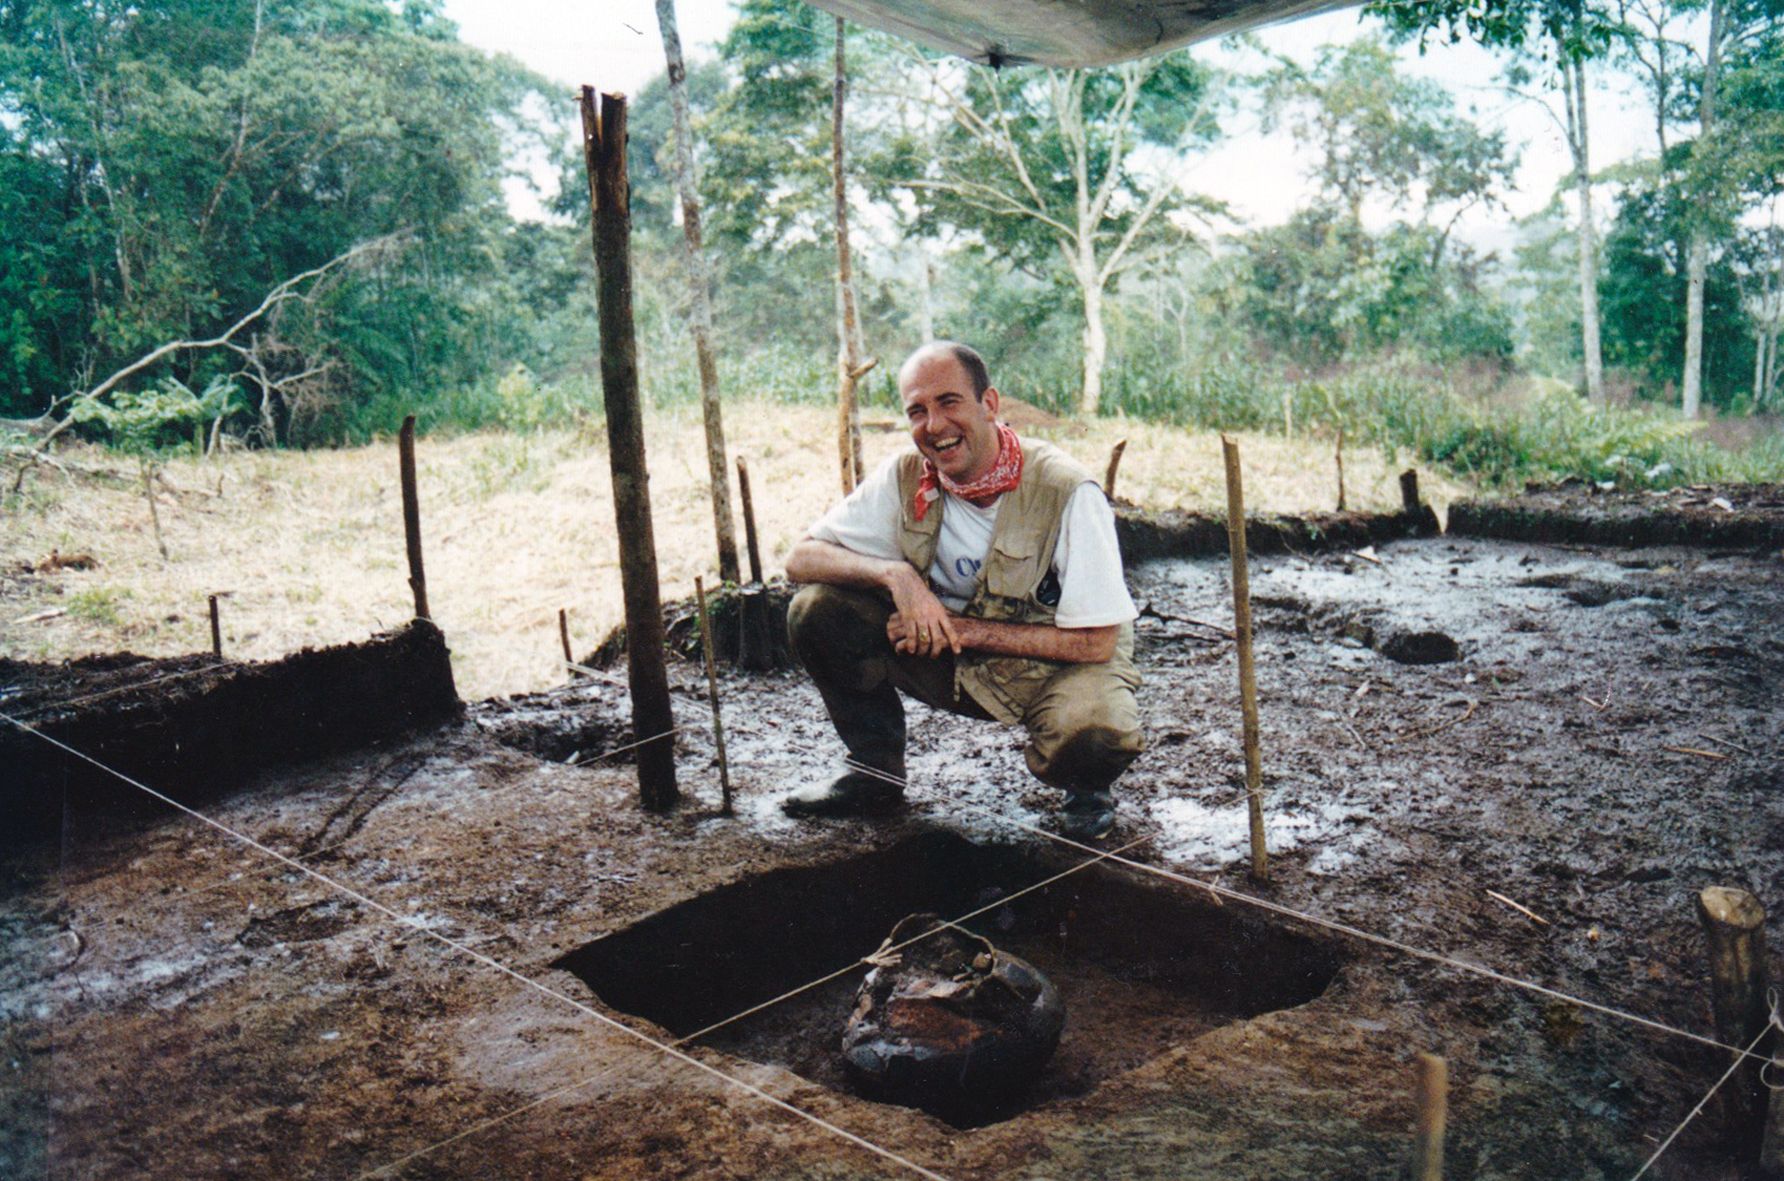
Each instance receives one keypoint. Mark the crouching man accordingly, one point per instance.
(978, 573)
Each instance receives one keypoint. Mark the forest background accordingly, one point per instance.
(285, 224)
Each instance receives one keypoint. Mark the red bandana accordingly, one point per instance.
(1004, 475)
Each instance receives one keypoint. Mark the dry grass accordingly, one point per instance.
(307, 547)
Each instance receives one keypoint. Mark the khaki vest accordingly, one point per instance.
(1022, 542)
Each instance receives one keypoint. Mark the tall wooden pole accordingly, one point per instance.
(849, 367)
(699, 292)
(1254, 771)
(604, 151)
(405, 445)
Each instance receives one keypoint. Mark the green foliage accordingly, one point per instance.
(1321, 288)
(1642, 298)
(144, 421)
(172, 162)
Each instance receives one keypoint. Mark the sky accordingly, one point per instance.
(614, 45)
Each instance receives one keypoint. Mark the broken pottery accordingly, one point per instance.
(950, 1023)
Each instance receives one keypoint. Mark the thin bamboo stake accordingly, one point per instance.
(405, 446)
(216, 631)
(604, 153)
(564, 634)
(1433, 1100)
(1254, 774)
(1338, 458)
(712, 689)
(1115, 454)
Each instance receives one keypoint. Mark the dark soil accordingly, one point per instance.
(1605, 744)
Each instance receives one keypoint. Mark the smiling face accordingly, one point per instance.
(955, 429)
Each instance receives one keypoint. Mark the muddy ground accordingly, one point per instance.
(1605, 743)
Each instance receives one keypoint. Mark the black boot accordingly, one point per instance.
(856, 793)
(1087, 814)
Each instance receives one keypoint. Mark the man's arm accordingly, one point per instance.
(930, 628)
(1038, 641)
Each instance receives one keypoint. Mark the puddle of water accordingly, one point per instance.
(1200, 837)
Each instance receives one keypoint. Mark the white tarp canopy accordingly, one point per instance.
(1067, 32)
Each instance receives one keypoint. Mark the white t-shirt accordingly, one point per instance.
(1087, 560)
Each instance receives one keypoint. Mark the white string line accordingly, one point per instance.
(1741, 1058)
(492, 1121)
(1344, 928)
(547, 990)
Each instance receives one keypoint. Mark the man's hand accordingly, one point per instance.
(919, 624)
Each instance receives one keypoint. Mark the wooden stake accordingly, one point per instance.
(604, 154)
(712, 689)
(216, 631)
(1771, 1145)
(405, 449)
(749, 520)
(755, 630)
(1409, 492)
(1432, 1090)
(1114, 465)
(1254, 774)
(564, 634)
(1338, 458)
(1734, 922)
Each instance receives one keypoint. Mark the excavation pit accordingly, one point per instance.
(1143, 965)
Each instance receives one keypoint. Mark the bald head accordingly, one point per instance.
(969, 360)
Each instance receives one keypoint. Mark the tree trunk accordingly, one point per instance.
(699, 291)
(1096, 347)
(848, 355)
(1697, 251)
(1579, 143)
(926, 297)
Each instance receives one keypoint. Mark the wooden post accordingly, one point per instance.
(712, 690)
(604, 154)
(405, 448)
(1338, 458)
(749, 520)
(1114, 466)
(1254, 774)
(1409, 492)
(1771, 1145)
(755, 630)
(564, 634)
(216, 631)
(1734, 922)
(1432, 1090)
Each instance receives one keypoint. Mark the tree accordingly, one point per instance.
(1737, 157)
(849, 366)
(1551, 38)
(1069, 169)
(699, 290)
(183, 158)
(1377, 133)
